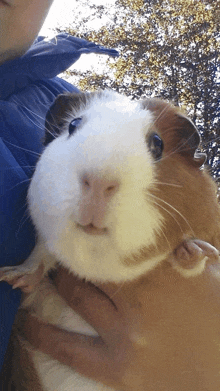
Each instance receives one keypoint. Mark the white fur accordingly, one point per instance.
(195, 271)
(110, 145)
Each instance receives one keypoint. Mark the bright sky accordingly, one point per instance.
(62, 14)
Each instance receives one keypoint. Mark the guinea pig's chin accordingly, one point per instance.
(95, 258)
(99, 254)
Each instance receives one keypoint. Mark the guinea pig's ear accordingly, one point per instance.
(56, 117)
(189, 140)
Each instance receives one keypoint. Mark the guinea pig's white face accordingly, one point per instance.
(89, 196)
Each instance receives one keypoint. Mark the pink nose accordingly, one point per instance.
(96, 194)
(99, 188)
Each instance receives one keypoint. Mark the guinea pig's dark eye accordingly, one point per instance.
(155, 145)
(74, 124)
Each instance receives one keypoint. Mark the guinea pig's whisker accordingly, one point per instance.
(18, 184)
(24, 219)
(39, 124)
(25, 205)
(172, 152)
(167, 239)
(176, 150)
(15, 168)
(167, 184)
(36, 114)
(53, 134)
(23, 149)
(165, 157)
(214, 139)
(169, 130)
(172, 207)
(171, 214)
(117, 290)
(160, 115)
(33, 112)
(183, 144)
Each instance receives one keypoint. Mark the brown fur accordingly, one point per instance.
(184, 194)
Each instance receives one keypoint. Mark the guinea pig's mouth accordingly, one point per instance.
(90, 229)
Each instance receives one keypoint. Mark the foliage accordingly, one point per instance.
(168, 48)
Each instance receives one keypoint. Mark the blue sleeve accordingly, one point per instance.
(21, 130)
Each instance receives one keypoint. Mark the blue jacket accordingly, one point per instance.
(28, 86)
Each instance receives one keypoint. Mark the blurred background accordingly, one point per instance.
(168, 48)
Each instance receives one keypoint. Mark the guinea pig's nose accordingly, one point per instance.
(101, 187)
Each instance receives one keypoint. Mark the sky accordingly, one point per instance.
(61, 14)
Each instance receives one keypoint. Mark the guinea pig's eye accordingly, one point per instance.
(74, 124)
(155, 144)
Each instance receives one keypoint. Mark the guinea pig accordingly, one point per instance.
(119, 183)
(119, 186)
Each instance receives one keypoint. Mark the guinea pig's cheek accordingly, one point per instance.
(136, 227)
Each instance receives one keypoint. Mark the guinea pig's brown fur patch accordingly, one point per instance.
(185, 194)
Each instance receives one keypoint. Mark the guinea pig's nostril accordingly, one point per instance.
(99, 186)
(86, 183)
(112, 189)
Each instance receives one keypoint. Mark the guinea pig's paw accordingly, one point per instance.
(191, 256)
(19, 277)
(208, 250)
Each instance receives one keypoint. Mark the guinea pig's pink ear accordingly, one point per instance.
(56, 117)
(189, 140)
(200, 158)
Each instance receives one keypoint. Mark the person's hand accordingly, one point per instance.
(159, 333)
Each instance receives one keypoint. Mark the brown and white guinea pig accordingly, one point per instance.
(120, 185)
